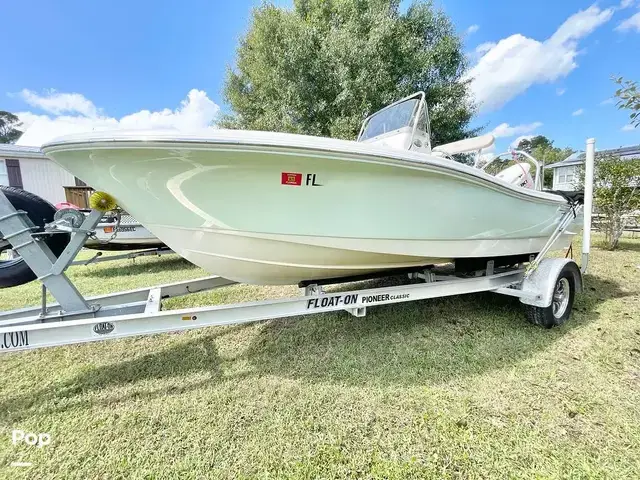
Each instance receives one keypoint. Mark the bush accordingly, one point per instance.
(616, 194)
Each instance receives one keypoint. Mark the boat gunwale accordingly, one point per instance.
(417, 160)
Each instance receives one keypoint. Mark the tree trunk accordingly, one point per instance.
(615, 230)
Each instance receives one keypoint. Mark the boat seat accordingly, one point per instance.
(473, 144)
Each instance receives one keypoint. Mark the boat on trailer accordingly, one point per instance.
(275, 208)
(546, 286)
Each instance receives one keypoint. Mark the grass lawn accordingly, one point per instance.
(457, 387)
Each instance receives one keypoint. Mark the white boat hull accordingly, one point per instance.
(273, 259)
(270, 208)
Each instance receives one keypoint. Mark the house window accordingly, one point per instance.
(562, 175)
(12, 167)
(572, 173)
(566, 174)
(4, 176)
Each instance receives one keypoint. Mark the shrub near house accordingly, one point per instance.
(616, 190)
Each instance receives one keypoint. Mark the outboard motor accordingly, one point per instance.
(517, 174)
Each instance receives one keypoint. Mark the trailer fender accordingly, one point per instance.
(541, 282)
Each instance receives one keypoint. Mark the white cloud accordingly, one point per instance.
(517, 141)
(473, 29)
(608, 101)
(195, 113)
(517, 62)
(506, 130)
(578, 112)
(41, 128)
(626, 3)
(631, 23)
(485, 47)
(57, 103)
(490, 149)
(560, 91)
(628, 128)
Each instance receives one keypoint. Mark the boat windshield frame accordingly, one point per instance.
(419, 109)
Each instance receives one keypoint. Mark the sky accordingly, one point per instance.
(535, 68)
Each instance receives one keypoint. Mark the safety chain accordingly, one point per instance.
(115, 230)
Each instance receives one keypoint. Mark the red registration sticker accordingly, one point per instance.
(291, 178)
(108, 229)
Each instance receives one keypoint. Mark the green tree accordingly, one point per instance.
(323, 66)
(629, 99)
(615, 194)
(9, 132)
(537, 142)
(542, 149)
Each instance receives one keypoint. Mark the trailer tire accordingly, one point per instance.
(14, 272)
(558, 312)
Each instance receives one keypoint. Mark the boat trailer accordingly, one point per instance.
(545, 285)
(100, 258)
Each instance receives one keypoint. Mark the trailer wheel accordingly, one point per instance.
(14, 270)
(558, 312)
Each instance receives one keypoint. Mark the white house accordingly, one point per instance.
(565, 172)
(28, 168)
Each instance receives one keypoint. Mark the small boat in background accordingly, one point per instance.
(118, 231)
